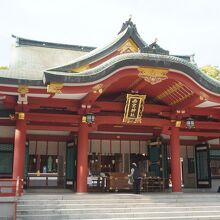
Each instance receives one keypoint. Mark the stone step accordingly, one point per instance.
(120, 209)
(128, 201)
(132, 215)
(128, 218)
(118, 195)
(110, 205)
(207, 217)
(119, 206)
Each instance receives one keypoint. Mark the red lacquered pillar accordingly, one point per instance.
(19, 150)
(82, 158)
(175, 160)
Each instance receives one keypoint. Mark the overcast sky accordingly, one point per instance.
(183, 27)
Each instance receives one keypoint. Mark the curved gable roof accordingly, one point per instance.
(106, 69)
(148, 56)
(128, 31)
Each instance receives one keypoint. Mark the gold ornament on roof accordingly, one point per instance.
(203, 96)
(79, 69)
(55, 88)
(97, 88)
(129, 46)
(23, 89)
(153, 75)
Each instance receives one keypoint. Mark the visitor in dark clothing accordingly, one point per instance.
(135, 172)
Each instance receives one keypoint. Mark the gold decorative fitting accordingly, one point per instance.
(97, 88)
(134, 108)
(84, 119)
(129, 46)
(178, 124)
(23, 89)
(79, 69)
(54, 88)
(21, 115)
(152, 75)
(203, 96)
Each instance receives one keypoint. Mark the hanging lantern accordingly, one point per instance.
(190, 123)
(90, 118)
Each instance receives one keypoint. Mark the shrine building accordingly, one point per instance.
(77, 117)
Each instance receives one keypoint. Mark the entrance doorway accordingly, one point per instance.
(45, 165)
(110, 160)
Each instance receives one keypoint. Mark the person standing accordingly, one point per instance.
(135, 172)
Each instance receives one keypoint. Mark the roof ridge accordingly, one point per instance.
(128, 24)
(30, 42)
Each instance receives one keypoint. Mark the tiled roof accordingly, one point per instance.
(23, 41)
(129, 32)
(38, 63)
(29, 62)
(135, 59)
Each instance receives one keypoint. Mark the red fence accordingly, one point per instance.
(10, 187)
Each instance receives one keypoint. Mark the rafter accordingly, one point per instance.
(188, 103)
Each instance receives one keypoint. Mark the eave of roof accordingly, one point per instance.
(134, 59)
(28, 42)
(144, 58)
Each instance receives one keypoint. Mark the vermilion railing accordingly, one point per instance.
(10, 187)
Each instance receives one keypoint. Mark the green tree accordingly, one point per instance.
(212, 71)
(3, 67)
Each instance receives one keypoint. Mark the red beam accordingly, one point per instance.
(90, 98)
(102, 136)
(31, 137)
(15, 90)
(45, 117)
(126, 128)
(52, 128)
(115, 120)
(7, 122)
(211, 113)
(119, 107)
(35, 103)
(196, 133)
(118, 120)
